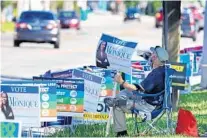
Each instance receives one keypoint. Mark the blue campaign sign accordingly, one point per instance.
(186, 58)
(59, 74)
(10, 129)
(87, 76)
(114, 53)
(47, 97)
(22, 103)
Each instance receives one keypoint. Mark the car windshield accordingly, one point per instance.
(37, 16)
(67, 14)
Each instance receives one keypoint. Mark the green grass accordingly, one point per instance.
(7, 27)
(195, 102)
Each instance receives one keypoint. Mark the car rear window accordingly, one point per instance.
(37, 16)
(67, 14)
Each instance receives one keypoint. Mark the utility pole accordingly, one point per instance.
(204, 55)
(171, 36)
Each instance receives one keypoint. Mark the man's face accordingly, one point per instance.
(154, 59)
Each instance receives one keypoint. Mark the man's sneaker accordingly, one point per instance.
(111, 102)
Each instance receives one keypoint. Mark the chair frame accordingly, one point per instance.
(166, 107)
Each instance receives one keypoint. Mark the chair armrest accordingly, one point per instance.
(150, 95)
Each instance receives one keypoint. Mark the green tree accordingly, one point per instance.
(156, 5)
(6, 3)
(131, 3)
(59, 4)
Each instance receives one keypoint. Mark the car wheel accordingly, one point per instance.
(16, 43)
(125, 19)
(56, 45)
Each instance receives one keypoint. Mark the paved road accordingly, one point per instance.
(78, 48)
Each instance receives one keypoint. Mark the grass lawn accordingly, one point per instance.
(7, 27)
(196, 102)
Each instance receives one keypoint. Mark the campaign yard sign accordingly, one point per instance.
(48, 98)
(22, 104)
(92, 89)
(114, 53)
(70, 95)
(179, 77)
(65, 74)
(10, 128)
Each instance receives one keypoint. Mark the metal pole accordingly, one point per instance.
(165, 26)
(204, 55)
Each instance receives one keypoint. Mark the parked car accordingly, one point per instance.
(159, 18)
(188, 25)
(37, 27)
(69, 19)
(132, 13)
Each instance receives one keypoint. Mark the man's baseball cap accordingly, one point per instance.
(161, 53)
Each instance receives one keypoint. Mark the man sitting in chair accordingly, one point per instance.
(127, 99)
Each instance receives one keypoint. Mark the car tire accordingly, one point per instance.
(56, 45)
(16, 43)
(125, 19)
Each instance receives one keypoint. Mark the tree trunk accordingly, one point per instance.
(172, 38)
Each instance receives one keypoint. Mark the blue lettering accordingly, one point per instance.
(116, 51)
(15, 102)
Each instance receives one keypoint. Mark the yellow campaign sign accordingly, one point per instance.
(178, 68)
(95, 116)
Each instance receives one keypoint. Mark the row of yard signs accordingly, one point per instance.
(74, 96)
(55, 97)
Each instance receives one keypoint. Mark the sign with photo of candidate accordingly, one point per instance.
(21, 103)
(114, 53)
(48, 97)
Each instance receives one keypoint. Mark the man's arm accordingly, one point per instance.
(129, 87)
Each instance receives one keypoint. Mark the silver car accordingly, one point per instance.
(37, 27)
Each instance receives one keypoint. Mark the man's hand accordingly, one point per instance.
(118, 78)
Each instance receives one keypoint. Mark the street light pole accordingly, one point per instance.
(204, 55)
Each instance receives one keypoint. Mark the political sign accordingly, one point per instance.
(10, 128)
(70, 95)
(92, 89)
(21, 103)
(48, 97)
(114, 53)
(179, 77)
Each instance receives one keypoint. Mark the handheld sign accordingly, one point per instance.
(114, 53)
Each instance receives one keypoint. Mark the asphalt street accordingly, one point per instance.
(77, 48)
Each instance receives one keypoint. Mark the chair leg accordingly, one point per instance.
(153, 122)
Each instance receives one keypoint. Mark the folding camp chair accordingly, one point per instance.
(151, 118)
